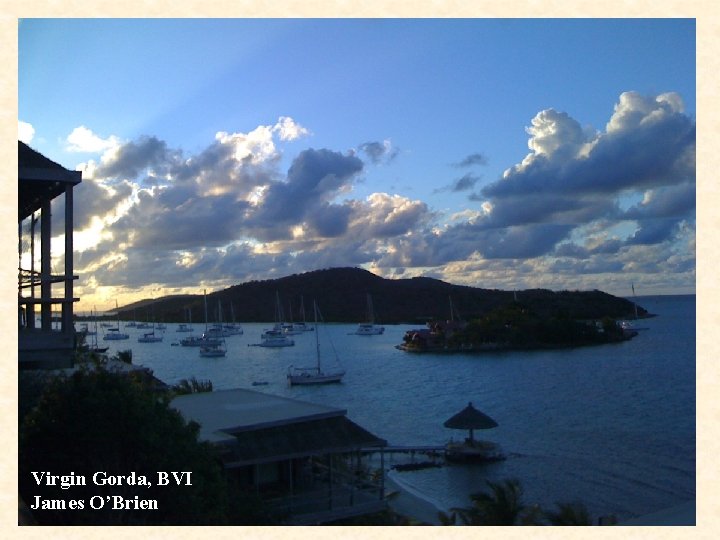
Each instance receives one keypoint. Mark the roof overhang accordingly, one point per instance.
(40, 180)
(334, 435)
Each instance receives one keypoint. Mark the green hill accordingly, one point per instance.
(341, 294)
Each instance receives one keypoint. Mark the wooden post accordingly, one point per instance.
(330, 483)
(292, 491)
(45, 267)
(67, 307)
(382, 475)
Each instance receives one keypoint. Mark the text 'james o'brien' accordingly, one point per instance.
(103, 479)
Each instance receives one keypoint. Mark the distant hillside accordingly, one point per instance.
(341, 294)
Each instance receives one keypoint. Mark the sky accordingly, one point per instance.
(497, 153)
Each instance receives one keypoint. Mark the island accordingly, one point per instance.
(515, 327)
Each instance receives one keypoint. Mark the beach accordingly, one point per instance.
(402, 501)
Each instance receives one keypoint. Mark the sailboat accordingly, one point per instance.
(369, 328)
(303, 326)
(114, 334)
(93, 346)
(150, 337)
(215, 349)
(629, 326)
(182, 327)
(232, 328)
(275, 337)
(314, 375)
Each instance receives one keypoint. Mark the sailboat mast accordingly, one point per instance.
(317, 338)
(634, 300)
(205, 299)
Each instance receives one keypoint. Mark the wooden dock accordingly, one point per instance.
(404, 449)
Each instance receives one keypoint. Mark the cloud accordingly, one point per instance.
(82, 139)
(131, 159)
(582, 203)
(648, 143)
(313, 180)
(26, 132)
(464, 183)
(289, 130)
(573, 177)
(471, 161)
(379, 152)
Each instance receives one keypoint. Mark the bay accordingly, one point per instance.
(612, 426)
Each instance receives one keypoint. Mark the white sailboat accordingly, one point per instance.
(275, 337)
(369, 328)
(182, 327)
(631, 326)
(314, 375)
(232, 328)
(114, 334)
(150, 337)
(93, 346)
(213, 350)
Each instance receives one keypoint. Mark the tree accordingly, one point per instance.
(574, 513)
(192, 386)
(95, 421)
(503, 505)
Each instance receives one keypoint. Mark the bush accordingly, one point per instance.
(96, 421)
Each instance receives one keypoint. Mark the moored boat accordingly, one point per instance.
(150, 337)
(114, 334)
(275, 337)
(369, 328)
(314, 375)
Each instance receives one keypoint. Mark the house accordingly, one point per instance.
(302, 459)
(50, 341)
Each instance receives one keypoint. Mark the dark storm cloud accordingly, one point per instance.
(471, 161)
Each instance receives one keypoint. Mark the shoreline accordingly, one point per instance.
(405, 502)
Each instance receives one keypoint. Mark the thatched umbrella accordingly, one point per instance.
(470, 418)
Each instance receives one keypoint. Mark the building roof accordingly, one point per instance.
(40, 179)
(470, 418)
(260, 427)
(314, 437)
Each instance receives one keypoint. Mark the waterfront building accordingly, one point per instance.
(303, 459)
(50, 341)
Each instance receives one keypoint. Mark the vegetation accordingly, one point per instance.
(97, 421)
(192, 386)
(518, 326)
(503, 505)
(341, 293)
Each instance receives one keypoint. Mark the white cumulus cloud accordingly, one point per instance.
(25, 132)
(289, 130)
(82, 139)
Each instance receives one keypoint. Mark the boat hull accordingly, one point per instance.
(309, 378)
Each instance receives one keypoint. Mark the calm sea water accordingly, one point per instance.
(611, 426)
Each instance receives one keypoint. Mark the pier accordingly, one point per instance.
(406, 449)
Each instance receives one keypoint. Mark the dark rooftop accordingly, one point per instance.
(40, 179)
